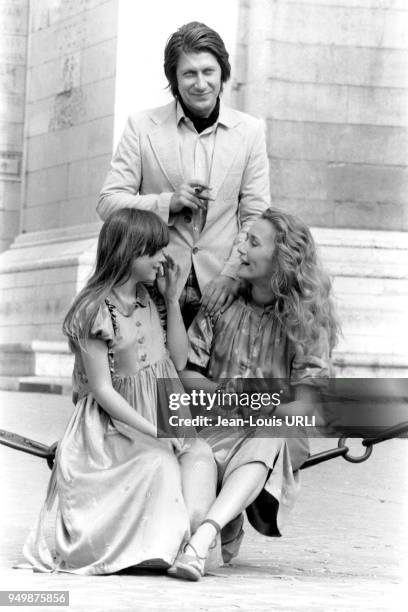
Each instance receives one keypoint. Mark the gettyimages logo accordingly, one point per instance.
(275, 408)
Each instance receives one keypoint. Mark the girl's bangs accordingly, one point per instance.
(158, 239)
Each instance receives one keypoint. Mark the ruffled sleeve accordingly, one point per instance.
(311, 365)
(103, 325)
(102, 328)
(200, 335)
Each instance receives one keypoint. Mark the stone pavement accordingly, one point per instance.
(344, 549)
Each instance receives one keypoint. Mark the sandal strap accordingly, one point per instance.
(194, 550)
(216, 526)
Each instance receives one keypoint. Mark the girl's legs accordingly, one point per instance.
(199, 481)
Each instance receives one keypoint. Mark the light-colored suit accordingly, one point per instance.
(146, 170)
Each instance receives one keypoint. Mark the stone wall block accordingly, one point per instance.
(338, 64)
(337, 142)
(78, 142)
(350, 26)
(12, 78)
(318, 213)
(83, 208)
(13, 17)
(55, 76)
(33, 278)
(13, 49)
(306, 102)
(9, 221)
(38, 218)
(367, 183)
(39, 116)
(101, 22)
(11, 136)
(48, 185)
(46, 14)
(99, 61)
(10, 193)
(87, 176)
(351, 285)
(12, 107)
(295, 179)
(368, 215)
(98, 99)
(69, 108)
(398, 5)
(378, 106)
(42, 47)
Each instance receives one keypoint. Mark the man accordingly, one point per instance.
(200, 165)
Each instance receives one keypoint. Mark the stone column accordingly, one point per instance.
(331, 80)
(13, 52)
(69, 119)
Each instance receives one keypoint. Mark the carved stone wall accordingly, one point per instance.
(13, 51)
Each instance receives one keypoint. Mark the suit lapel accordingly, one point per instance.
(164, 141)
(226, 146)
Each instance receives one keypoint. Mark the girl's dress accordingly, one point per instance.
(120, 502)
(244, 342)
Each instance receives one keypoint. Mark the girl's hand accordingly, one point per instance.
(175, 444)
(167, 279)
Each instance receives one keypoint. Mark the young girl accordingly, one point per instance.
(126, 497)
(281, 327)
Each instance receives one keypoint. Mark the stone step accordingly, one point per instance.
(37, 384)
(352, 364)
(36, 358)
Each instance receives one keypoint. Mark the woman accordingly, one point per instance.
(282, 327)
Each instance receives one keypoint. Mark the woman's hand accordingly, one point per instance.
(219, 294)
(168, 280)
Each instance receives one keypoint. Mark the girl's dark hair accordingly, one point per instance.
(194, 37)
(302, 288)
(126, 234)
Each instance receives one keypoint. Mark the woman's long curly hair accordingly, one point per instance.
(304, 304)
(126, 234)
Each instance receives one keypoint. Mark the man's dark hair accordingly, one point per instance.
(194, 37)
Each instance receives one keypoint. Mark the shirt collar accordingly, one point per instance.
(246, 294)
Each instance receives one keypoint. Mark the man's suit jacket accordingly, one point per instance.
(146, 170)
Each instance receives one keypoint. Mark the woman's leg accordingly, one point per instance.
(199, 481)
(239, 490)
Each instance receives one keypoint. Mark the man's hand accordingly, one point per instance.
(191, 195)
(219, 294)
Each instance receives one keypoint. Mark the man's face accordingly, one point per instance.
(199, 81)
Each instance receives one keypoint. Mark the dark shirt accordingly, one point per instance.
(201, 123)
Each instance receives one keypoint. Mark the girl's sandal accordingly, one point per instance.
(191, 566)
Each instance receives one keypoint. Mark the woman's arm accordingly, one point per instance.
(95, 360)
(193, 380)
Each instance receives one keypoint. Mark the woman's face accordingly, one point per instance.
(257, 251)
(146, 267)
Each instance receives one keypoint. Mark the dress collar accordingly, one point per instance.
(142, 295)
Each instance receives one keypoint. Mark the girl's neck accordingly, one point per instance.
(127, 291)
(261, 294)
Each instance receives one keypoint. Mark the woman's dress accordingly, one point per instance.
(247, 342)
(120, 502)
